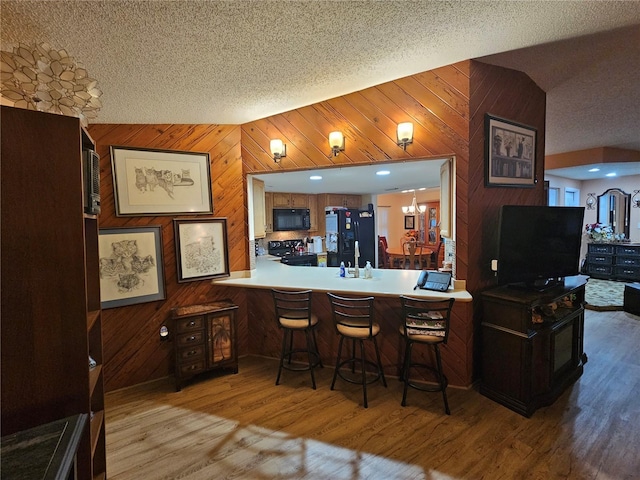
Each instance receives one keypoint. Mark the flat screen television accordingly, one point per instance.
(538, 245)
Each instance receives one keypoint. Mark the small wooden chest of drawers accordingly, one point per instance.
(204, 339)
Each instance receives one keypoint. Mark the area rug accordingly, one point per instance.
(604, 295)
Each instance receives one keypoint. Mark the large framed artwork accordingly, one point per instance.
(160, 182)
(201, 248)
(131, 265)
(510, 153)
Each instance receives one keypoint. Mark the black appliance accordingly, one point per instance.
(289, 252)
(291, 219)
(538, 245)
(349, 226)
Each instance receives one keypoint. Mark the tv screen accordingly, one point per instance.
(538, 244)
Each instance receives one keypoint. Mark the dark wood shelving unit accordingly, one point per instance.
(51, 313)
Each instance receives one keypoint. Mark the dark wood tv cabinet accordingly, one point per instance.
(532, 344)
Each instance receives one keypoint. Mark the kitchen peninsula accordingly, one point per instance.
(386, 286)
(270, 273)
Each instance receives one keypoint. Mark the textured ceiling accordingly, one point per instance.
(236, 61)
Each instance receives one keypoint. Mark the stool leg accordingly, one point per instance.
(442, 379)
(310, 350)
(335, 372)
(380, 370)
(405, 371)
(282, 354)
(353, 355)
(290, 346)
(364, 373)
(315, 344)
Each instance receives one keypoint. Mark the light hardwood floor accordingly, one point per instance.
(244, 427)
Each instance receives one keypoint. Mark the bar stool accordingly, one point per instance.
(293, 313)
(353, 319)
(425, 322)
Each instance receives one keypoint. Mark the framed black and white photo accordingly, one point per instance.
(510, 153)
(131, 266)
(160, 182)
(201, 248)
(409, 222)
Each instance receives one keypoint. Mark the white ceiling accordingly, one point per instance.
(231, 62)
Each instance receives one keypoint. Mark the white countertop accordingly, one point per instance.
(270, 273)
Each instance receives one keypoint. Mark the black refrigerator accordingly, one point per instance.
(343, 228)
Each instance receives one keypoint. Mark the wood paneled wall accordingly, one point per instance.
(133, 352)
(447, 107)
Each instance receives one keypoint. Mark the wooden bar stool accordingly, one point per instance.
(426, 322)
(354, 320)
(293, 314)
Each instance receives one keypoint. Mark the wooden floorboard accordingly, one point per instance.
(244, 427)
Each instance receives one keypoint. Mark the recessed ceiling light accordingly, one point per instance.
(594, 169)
(612, 174)
(383, 172)
(315, 177)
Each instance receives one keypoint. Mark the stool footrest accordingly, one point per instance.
(374, 376)
(300, 365)
(425, 387)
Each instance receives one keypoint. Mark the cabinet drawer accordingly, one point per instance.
(632, 273)
(191, 368)
(628, 261)
(191, 353)
(601, 269)
(600, 259)
(188, 324)
(628, 250)
(194, 338)
(601, 248)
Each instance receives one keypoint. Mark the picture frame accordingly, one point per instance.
(131, 266)
(409, 222)
(201, 248)
(160, 182)
(510, 153)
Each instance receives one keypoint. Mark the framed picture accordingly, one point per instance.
(201, 248)
(409, 222)
(131, 266)
(160, 182)
(510, 153)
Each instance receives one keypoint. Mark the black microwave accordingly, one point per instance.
(291, 219)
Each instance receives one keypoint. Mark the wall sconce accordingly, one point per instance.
(591, 201)
(405, 134)
(278, 149)
(635, 200)
(336, 142)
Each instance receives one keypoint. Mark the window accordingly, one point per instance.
(554, 195)
(571, 197)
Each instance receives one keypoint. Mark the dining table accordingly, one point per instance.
(419, 250)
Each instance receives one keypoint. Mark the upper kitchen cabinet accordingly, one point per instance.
(259, 210)
(343, 200)
(290, 200)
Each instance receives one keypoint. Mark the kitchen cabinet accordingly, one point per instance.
(343, 200)
(259, 212)
(290, 200)
(313, 213)
(268, 212)
(205, 339)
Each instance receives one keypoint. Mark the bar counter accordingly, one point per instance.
(270, 273)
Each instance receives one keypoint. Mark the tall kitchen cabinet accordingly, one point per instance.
(51, 317)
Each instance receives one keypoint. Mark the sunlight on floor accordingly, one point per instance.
(226, 449)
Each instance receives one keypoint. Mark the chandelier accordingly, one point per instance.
(49, 80)
(414, 207)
